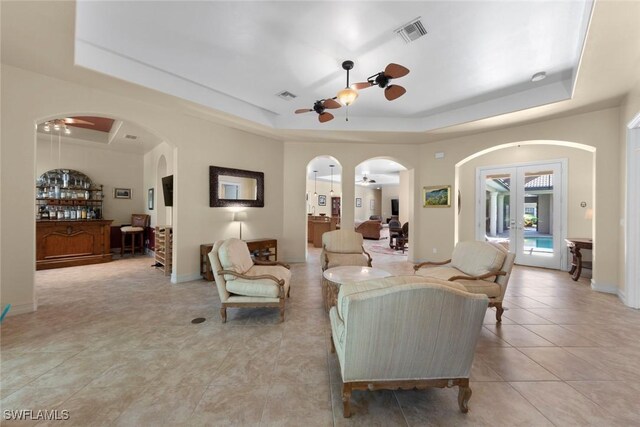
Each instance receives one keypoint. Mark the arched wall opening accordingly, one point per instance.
(578, 216)
(323, 198)
(383, 190)
(631, 255)
(102, 151)
(161, 209)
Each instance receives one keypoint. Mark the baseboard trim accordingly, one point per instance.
(185, 277)
(606, 288)
(623, 296)
(16, 309)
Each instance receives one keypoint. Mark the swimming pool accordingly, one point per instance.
(538, 242)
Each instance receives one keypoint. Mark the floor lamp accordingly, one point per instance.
(240, 217)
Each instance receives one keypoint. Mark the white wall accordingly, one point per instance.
(389, 192)
(599, 129)
(580, 164)
(112, 169)
(366, 194)
(29, 98)
(323, 189)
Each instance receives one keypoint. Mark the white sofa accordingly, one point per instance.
(405, 332)
(481, 267)
(243, 282)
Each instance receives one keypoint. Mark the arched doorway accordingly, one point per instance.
(528, 196)
(383, 189)
(113, 153)
(323, 198)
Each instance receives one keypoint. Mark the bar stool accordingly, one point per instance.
(138, 224)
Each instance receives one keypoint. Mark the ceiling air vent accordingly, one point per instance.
(411, 31)
(286, 95)
(130, 136)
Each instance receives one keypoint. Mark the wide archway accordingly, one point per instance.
(323, 198)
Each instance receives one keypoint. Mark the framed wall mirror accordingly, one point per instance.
(235, 187)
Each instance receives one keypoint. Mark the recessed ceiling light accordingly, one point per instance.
(539, 76)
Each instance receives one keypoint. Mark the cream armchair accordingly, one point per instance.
(243, 282)
(405, 332)
(343, 247)
(481, 267)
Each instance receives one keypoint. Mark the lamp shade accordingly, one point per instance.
(240, 216)
(346, 96)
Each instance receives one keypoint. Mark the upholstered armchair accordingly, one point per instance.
(343, 247)
(370, 229)
(481, 267)
(244, 282)
(405, 332)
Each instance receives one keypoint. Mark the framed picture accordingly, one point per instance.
(437, 196)
(372, 204)
(322, 200)
(150, 199)
(358, 202)
(121, 193)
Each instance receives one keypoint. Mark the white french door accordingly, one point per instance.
(521, 207)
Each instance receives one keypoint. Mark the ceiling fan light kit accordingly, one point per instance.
(348, 95)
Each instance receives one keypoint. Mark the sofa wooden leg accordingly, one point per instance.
(346, 400)
(464, 394)
(289, 292)
(499, 311)
(281, 309)
(223, 314)
(333, 346)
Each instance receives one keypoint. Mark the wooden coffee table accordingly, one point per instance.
(333, 278)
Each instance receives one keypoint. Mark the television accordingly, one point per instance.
(394, 207)
(167, 190)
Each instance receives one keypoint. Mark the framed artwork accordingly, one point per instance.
(372, 204)
(322, 200)
(121, 193)
(358, 202)
(437, 196)
(150, 199)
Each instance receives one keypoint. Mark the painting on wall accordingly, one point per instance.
(121, 193)
(358, 202)
(322, 200)
(437, 196)
(150, 199)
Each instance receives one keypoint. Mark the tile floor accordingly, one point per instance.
(113, 345)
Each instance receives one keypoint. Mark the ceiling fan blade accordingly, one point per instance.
(394, 92)
(72, 121)
(395, 71)
(303, 110)
(331, 103)
(325, 117)
(372, 181)
(362, 85)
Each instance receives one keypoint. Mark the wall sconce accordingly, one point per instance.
(588, 214)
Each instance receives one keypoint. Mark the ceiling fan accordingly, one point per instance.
(366, 181)
(382, 79)
(320, 107)
(61, 124)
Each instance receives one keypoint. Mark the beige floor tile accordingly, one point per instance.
(512, 365)
(290, 404)
(97, 406)
(518, 336)
(565, 365)
(522, 316)
(619, 398)
(126, 328)
(231, 405)
(564, 405)
(491, 404)
(560, 336)
(161, 406)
